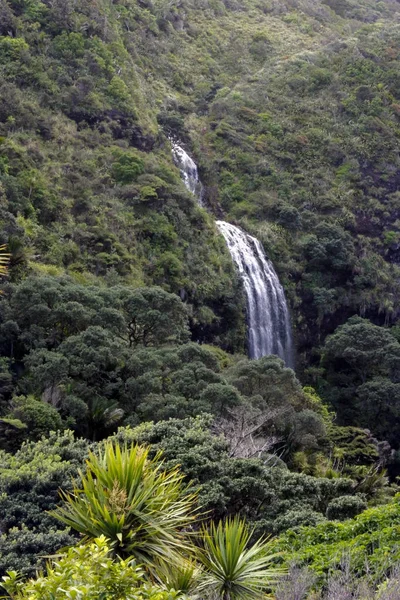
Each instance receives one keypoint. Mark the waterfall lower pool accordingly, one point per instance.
(268, 318)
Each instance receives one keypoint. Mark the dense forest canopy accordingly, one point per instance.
(122, 316)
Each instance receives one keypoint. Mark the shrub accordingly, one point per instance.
(89, 572)
(39, 417)
(345, 507)
(127, 167)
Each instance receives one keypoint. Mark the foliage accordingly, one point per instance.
(81, 357)
(361, 362)
(143, 510)
(87, 572)
(154, 317)
(100, 355)
(122, 304)
(263, 491)
(345, 507)
(88, 184)
(124, 495)
(39, 417)
(370, 541)
(29, 484)
(233, 570)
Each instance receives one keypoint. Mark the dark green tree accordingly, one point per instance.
(361, 368)
(154, 317)
(29, 484)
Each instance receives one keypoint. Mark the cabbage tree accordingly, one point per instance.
(142, 509)
(234, 569)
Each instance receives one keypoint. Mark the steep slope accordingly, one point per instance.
(291, 110)
(290, 107)
(307, 157)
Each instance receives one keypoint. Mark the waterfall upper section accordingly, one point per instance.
(269, 329)
(189, 172)
(268, 318)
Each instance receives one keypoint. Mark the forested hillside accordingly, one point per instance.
(122, 315)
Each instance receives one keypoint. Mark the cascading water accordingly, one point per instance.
(269, 330)
(188, 169)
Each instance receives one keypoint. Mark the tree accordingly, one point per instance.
(358, 351)
(267, 383)
(186, 442)
(262, 490)
(291, 415)
(154, 317)
(48, 370)
(220, 398)
(233, 569)
(245, 429)
(39, 417)
(129, 498)
(378, 408)
(345, 507)
(81, 379)
(7, 20)
(361, 369)
(29, 484)
(162, 383)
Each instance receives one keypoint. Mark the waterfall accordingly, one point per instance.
(188, 169)
(268, 319)
(269, 330)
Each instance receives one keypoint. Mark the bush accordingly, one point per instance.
(127, 167)
(88, 572)
(39, 417)
(345, 507)
(29, 484)
(369, 541)
(12, 48)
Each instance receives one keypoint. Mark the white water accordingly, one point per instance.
(269, 330)
(268, 319)
(188, 169)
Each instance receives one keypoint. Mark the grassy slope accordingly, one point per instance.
(290, 108)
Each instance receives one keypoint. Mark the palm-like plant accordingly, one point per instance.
(182, 577)
(4, 261)
(101, 418)
(140, 508)
(233, 569)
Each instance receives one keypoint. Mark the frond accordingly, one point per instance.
(181, 577)
(232, 566)
(4, 260)
(141, 509)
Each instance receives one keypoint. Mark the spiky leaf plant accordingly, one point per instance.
(235, 570)
(182, 577)
(139, 507)
(4, 261)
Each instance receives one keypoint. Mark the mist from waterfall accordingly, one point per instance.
(268, 318)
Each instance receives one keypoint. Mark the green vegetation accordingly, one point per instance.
(369, 542)
(141, 509)
(233, 569)
(88, 571)
(122, 319)
(29, 482)
(362, 364)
